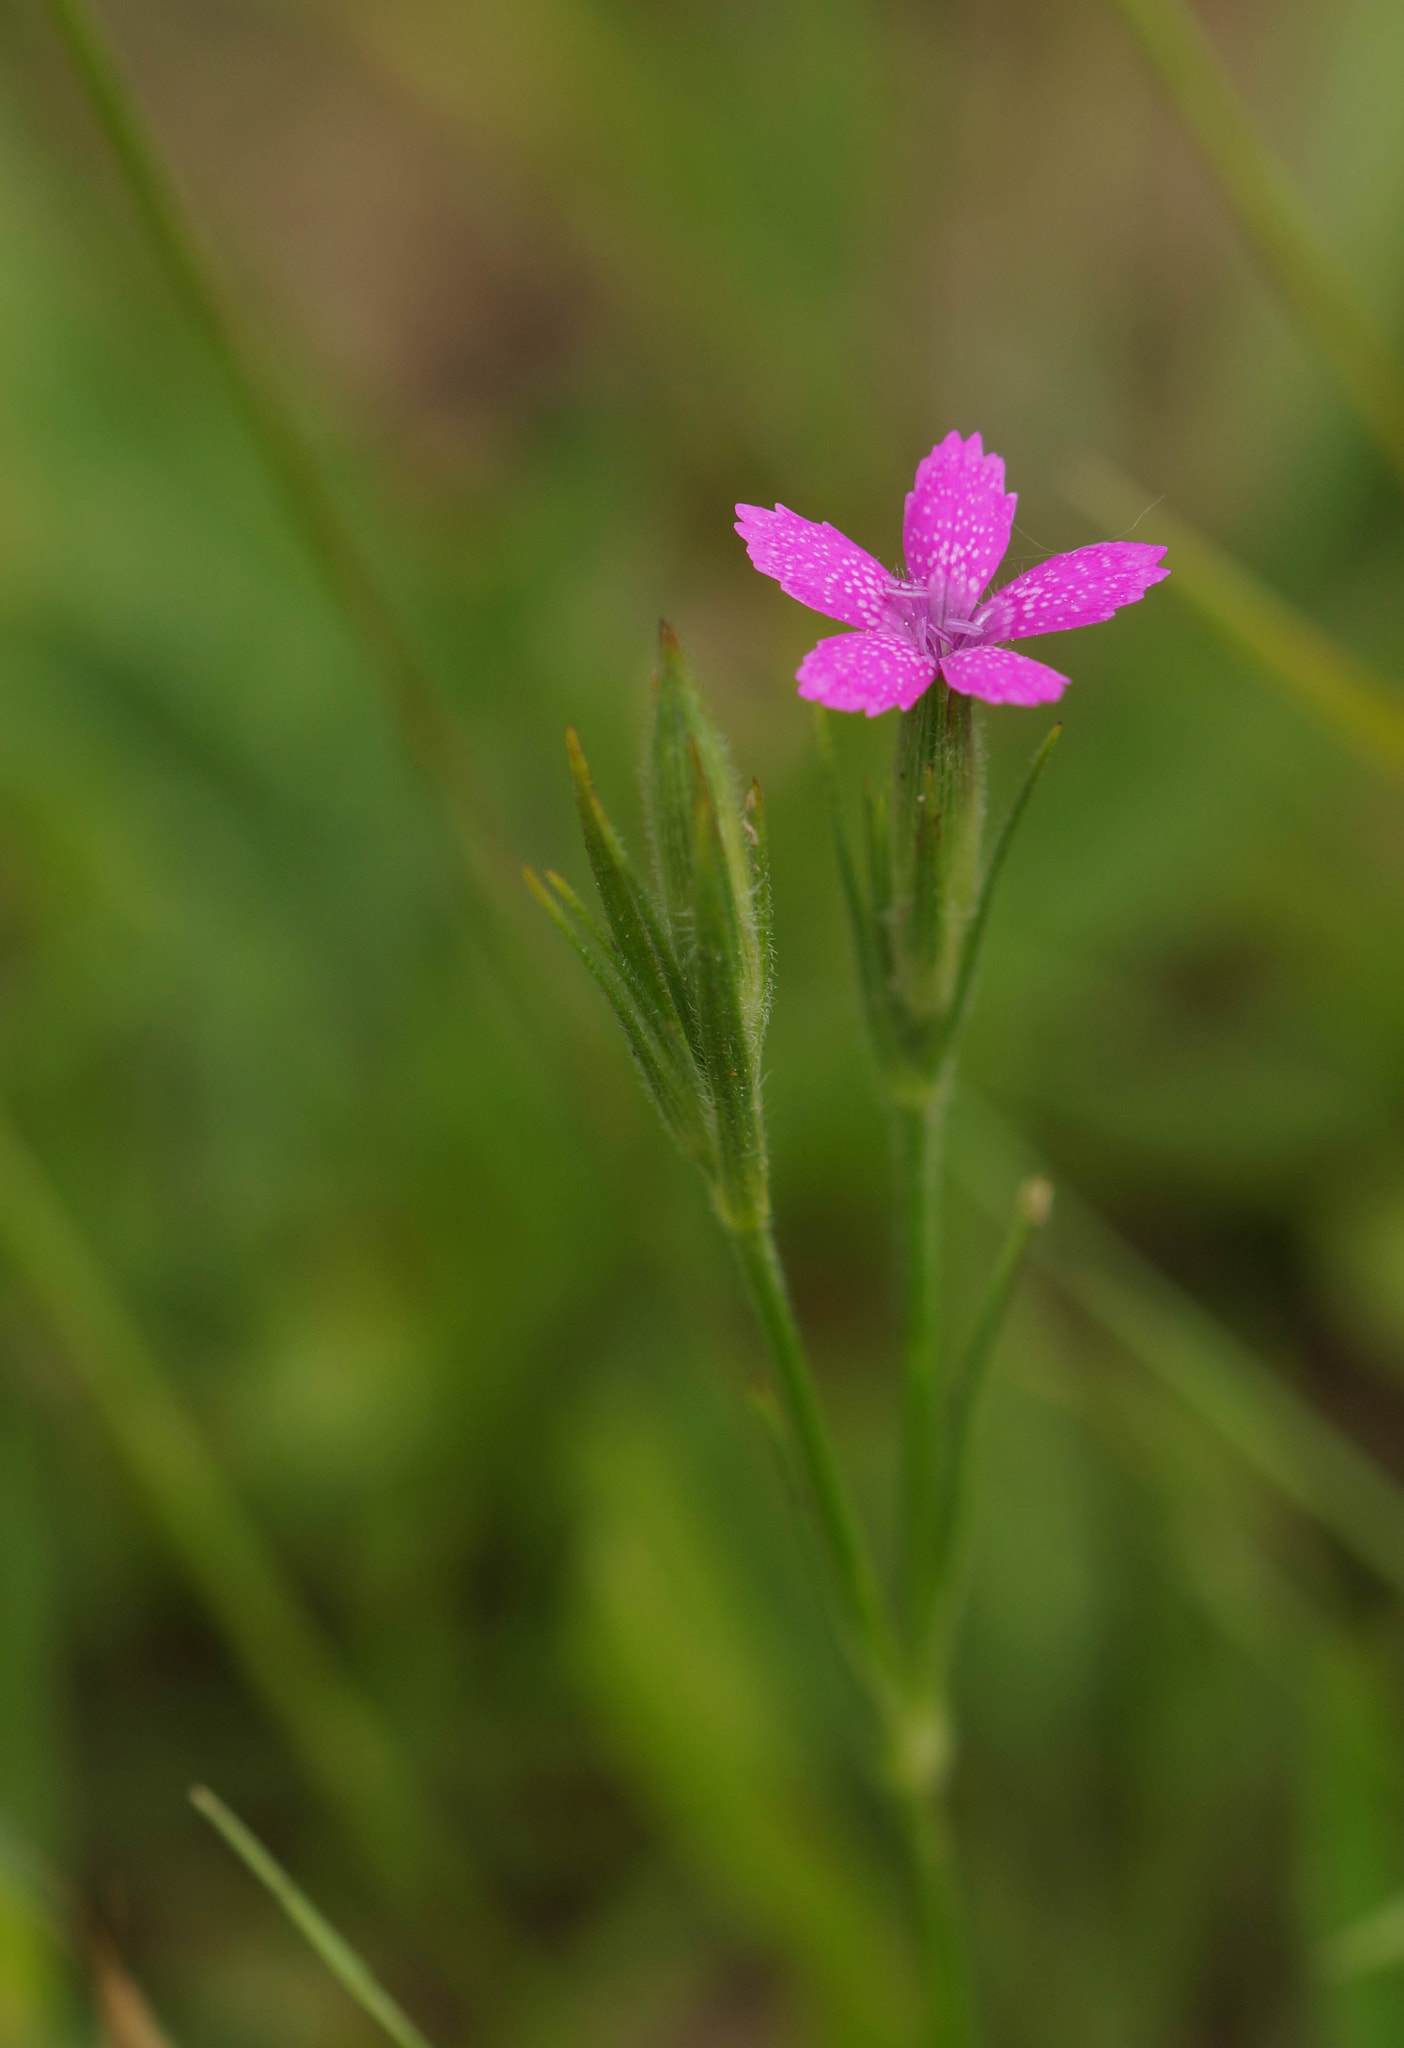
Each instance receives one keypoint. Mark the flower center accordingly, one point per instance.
(919, 613)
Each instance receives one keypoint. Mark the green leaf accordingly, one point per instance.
(730, 1051)
(646, 959)
(942, 1571)
(687, 743)
(753, 825)
(674, 1095)
(975, 931)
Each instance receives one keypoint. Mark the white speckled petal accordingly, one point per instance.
(816, 564)
(1001, 677)
(1080, 589)
(959, 518)
(869, 672)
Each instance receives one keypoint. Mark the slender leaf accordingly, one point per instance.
(980, 917)
(676, 1101)
(730, 1052)
(757, 833)
(645, 956)
(354, 1975)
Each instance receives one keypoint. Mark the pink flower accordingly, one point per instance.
(956, 531)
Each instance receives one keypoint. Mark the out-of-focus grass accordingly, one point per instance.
(551, 287)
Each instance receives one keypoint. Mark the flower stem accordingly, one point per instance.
(919, 1132)
(950, 2013)
(850, 1566)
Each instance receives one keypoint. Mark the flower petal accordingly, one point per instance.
(958, 522)
(816, 564)
(869, 672)
(1080, 589)
(1002, 678)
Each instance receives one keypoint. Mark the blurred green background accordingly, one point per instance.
(298, 1174)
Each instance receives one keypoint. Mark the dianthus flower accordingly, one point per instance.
(958, 521)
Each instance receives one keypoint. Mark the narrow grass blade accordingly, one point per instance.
(1363, 707)
(1279, 1435)
(937, 1596)
(338, 1955)
(1316, 292)
(431, 734)
(980, 917)
(344, 1748)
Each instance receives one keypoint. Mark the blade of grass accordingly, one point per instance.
(432, 736)
(939, 1591)
(1315, 291)
(345, 1749)
(980, 916)
(1364, 708)
(1278, 1434)
(340, 1958)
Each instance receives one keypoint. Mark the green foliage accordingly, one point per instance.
(544, 290)
(688, 973)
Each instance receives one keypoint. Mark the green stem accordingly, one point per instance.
(344, 1747)
(919, 1131)
(950, 2011)
(432, 735)
(850, 1567)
